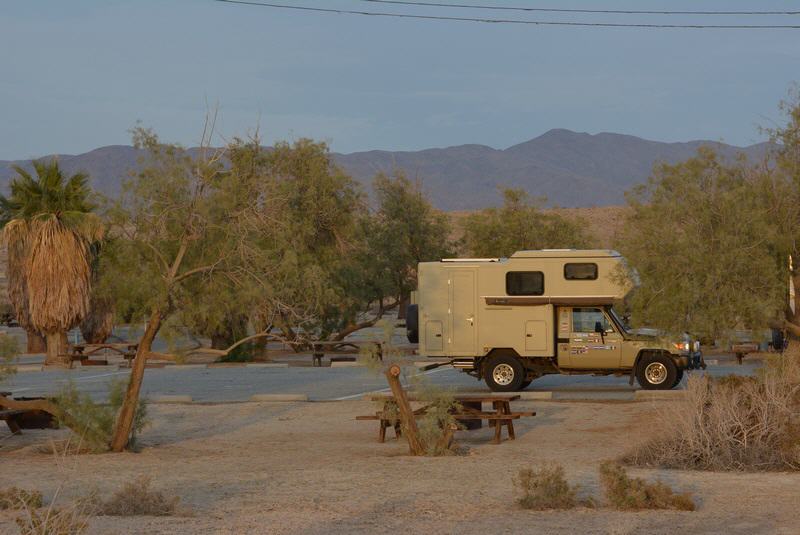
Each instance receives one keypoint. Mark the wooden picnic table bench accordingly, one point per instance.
(84, 352)
(471, 412)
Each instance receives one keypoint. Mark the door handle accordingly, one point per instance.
(471, 320)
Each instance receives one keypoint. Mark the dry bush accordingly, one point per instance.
(135, 499)
(16, 498)
(623, 492)
(732, 423)
(53, 521)
(546, 488)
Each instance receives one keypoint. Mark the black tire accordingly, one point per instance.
(412, 323)
(678, 378)
(778, 341)
(504, 373)
(656, 372)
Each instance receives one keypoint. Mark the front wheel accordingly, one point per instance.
(657, 372)
(504, 373)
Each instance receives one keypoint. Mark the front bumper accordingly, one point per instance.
(691, 360)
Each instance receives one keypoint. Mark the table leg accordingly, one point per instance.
(13, 426)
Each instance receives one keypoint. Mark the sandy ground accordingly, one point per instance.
(311, 468)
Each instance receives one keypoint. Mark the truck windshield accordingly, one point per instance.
(618, 320)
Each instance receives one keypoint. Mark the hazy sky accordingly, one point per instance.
(76, 75)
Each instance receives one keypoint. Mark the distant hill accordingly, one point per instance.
(571, 169)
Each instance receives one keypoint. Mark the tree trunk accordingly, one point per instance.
(401, 311)
(221, 341)
(407, 418)
(124, 424)
(36, 342)
(56, 349)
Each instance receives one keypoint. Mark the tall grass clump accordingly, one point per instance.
(732, 423)
(624, 492)
(545, 487)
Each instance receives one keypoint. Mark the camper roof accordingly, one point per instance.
(566, 253)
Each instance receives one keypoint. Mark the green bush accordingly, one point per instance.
(8, 350)
(92, 422)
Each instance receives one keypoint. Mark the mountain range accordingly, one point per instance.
(570, 168)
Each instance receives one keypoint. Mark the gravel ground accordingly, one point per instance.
(291, 468)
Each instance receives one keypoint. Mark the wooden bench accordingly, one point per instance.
(471, 411)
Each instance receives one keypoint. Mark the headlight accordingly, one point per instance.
(683, 346)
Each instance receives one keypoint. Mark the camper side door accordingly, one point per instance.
(462, 312)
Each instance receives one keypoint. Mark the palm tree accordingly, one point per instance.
(48, 226)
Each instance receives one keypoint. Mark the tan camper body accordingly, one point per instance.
(465, 308)
(551, 310)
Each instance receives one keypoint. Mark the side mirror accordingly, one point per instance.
(598, 327)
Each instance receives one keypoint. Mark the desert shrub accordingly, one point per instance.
(16, 498)
(53, 521)
(135, 498)
(623, 492)
(732, 423)
(92, 422)
(436, 426)
(545, 487)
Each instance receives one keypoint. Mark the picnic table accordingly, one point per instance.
(318, 349)
(470, 413)
(18, 419)
(84, 352)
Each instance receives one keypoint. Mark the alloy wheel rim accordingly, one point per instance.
(503, 374)
(656, 373)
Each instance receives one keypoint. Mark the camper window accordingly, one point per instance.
(580, 271)
(524, 283)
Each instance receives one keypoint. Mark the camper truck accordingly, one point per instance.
(511, 320)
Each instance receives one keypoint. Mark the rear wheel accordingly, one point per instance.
(656, 372)
(504, 373)
(412, 323)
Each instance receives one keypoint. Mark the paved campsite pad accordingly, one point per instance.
(240, 384)
(311, 468)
